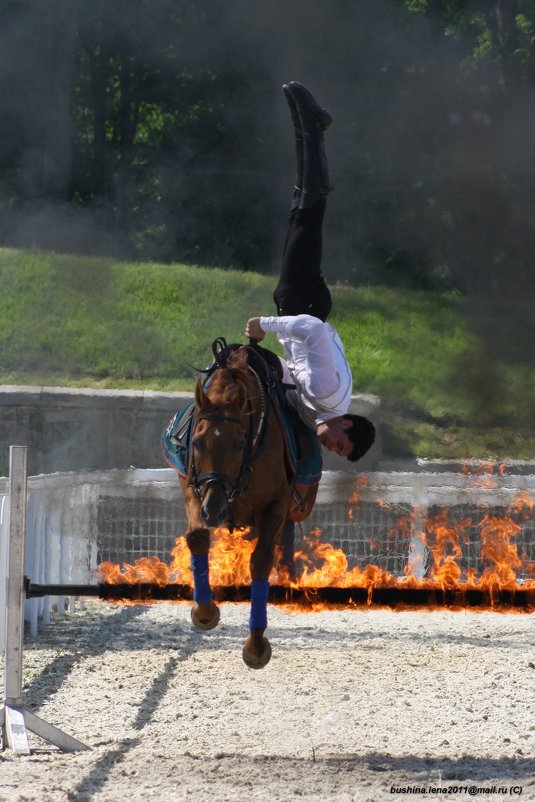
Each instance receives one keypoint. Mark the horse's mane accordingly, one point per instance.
(225, 380)
(238, 361)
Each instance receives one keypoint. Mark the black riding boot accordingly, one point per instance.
(296, 197)
(310, 121)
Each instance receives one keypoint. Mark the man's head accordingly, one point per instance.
(349, 436)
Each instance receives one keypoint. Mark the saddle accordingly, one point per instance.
(303, 456)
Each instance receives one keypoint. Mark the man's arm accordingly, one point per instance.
(314, 357)
(298, 328)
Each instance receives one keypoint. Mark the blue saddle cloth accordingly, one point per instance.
(176, 442)
(176, 454)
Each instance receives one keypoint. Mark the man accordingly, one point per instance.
(314, 361)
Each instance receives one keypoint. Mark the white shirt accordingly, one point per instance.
(316, 363)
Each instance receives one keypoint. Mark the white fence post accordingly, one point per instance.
(15, 720)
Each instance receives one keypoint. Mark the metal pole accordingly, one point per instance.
(395, 597)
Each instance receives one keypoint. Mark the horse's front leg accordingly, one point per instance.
(257, 649)
(204, 613)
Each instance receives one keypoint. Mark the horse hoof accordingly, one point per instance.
(255, 661)
(205, 620)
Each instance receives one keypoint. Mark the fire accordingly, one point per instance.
(323, 566)
(229, 563)
(484, 467)
(497, 548)
(360, 481)
(383, 504)
(522, 504)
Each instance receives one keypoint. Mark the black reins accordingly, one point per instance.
(233, 486)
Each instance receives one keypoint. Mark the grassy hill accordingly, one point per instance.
(78, 321)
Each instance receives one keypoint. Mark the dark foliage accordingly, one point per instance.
(156, 129)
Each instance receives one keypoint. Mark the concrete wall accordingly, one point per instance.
(86, 430)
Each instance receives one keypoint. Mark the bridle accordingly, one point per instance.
(233, 486)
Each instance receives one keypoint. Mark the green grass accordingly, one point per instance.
(79, 321)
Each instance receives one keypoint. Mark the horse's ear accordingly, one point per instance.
(201, 399)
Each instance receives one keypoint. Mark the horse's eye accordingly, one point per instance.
(198, 443)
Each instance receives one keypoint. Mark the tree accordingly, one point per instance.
(156, 129)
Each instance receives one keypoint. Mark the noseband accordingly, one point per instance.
(232, 486)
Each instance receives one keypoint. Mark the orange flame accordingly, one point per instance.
(522, 504)
(360, 481)
(322, 565)
(384, 505)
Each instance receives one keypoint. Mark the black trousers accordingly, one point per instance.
(301, 288)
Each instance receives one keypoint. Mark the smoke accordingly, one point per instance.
(432, 164)
(406, 132)
(64, 227)
(350, 53)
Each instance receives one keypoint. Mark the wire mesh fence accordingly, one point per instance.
(375, 525)
(76, 521)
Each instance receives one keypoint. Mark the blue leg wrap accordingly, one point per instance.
(202, 593)
(259, 597)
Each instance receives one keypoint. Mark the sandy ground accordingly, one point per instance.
(352, 704)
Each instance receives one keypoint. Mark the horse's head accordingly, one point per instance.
(219, 445)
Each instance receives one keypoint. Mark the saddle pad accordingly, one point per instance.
(176, 440)
(302, 446)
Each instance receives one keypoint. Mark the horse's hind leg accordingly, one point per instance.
(204, 613)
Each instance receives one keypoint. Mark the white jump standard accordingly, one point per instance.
(15, 719)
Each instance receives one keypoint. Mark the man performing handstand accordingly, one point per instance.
(315, 361)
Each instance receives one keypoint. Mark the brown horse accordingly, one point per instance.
(237, 476)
